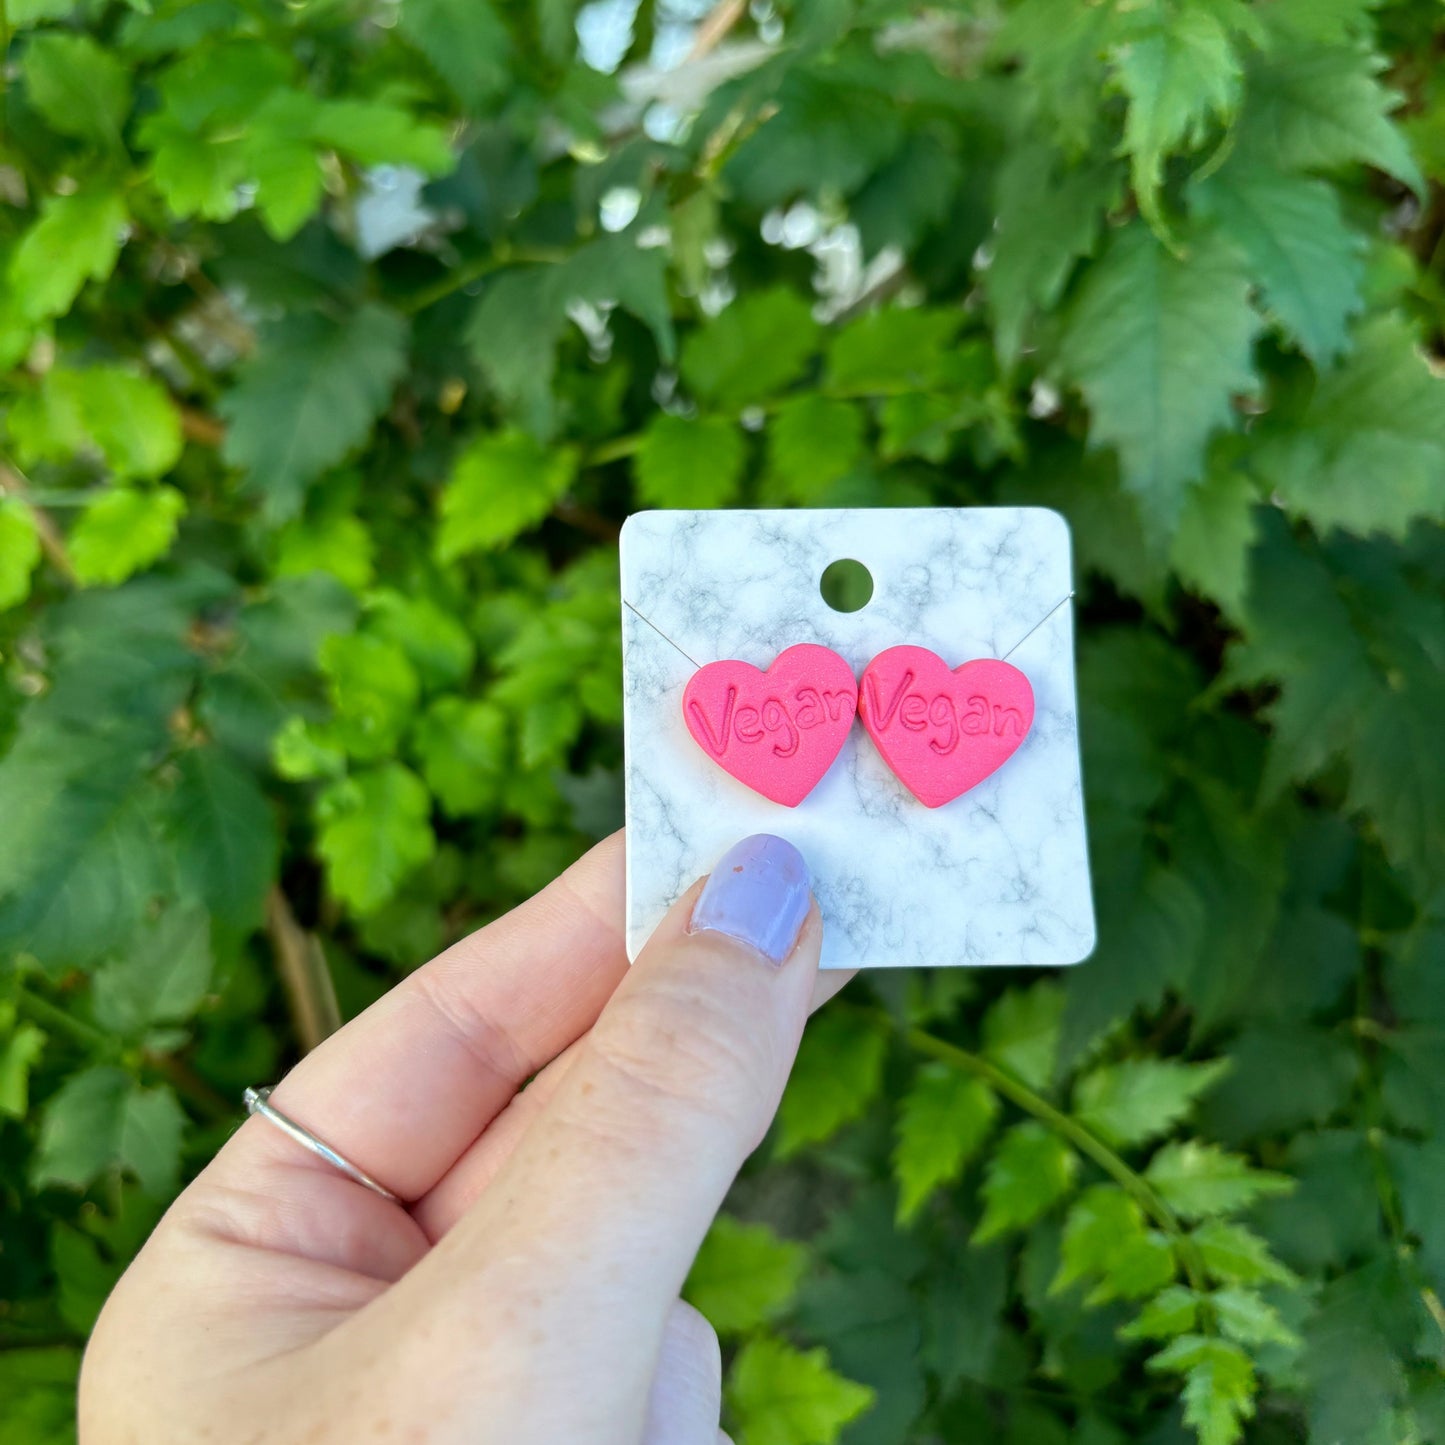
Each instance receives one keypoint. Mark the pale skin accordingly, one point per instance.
(527, 1290)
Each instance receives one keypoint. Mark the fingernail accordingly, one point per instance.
(759, 893)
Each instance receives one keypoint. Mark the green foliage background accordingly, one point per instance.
(308, 634)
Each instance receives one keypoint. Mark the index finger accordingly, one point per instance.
(403, 1089)
(585, 1235)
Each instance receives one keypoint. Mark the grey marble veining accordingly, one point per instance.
(998, 876)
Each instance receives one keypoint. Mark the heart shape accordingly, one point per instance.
(776, 731)
(943, 732)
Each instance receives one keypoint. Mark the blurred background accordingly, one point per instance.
(338, 340)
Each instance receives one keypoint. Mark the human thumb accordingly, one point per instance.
(607, 1197)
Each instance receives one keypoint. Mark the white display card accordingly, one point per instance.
(1000, 875)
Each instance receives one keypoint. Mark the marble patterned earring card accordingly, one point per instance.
(997, 875)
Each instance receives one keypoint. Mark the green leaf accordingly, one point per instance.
(464, 753)
(837, 1075)
(751, 350)
(1049, 216)
(76, 239)
(23, 1043)
(1140, 1099)
(308, 398)
(82, 90)
(99, 1120)
(1021, 1032)
(128, 418)
(1173, 1311)
(228, 845)
(375, 828)
(38, 1385)
(812, 442)
(942, 1123)
(24, 13)
(1158, 346)
(1217, 530)
(79, 861)
(1248, 1320)
(1307, 262)
(548, 729)
(781, 1396)
(502, 485)
(893, 350)
(1180, 73)
(300, 753)
(1411, 1087)
(161, 978)
(1419, 1172)
(515, 330)
(1282, 1078)
(373, 689)
(377, 133)
(1354, 681)
(744, 1275)
(1233, 1255)
(1104, 1236)
(1061, 47)
(466, 41)
(150, 1139)
(124, 530)
(867, 1318)
(690, 461)
(1321, 107)
(435, 642)
(513, 334)
(1219, 1386)
(282, 163)
(196, 175)
(336, 544)
(1331, 21)
(1368, 454)
(1029, 1172)
(1356, 1339)
(1198, 1180)
(19, 551)
(824, 135)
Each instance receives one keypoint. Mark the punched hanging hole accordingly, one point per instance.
(846, 585)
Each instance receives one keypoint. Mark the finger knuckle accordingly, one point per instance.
(679, 1046)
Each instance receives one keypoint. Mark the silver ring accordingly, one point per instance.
(256, 1103)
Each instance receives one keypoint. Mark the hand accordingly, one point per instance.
(528, 1289)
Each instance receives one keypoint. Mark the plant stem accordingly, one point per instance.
(191, 1086)
(715, 27)
(1083, 1139)
(463, 276)
(310, 993)
(44, 1012)
(613, 450)
(197, 1092)
(4, 64)
(51, 542)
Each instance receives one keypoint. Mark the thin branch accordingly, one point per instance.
(613, 450)
(1083, 1139)
(190, 1086)
(42, 1011)
(586, 520)
(715, 27)
(310, 992)
(190, 360)
(463, 276)
(198, 427)
(14, 482)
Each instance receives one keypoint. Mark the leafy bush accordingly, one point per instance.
(338, 340)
